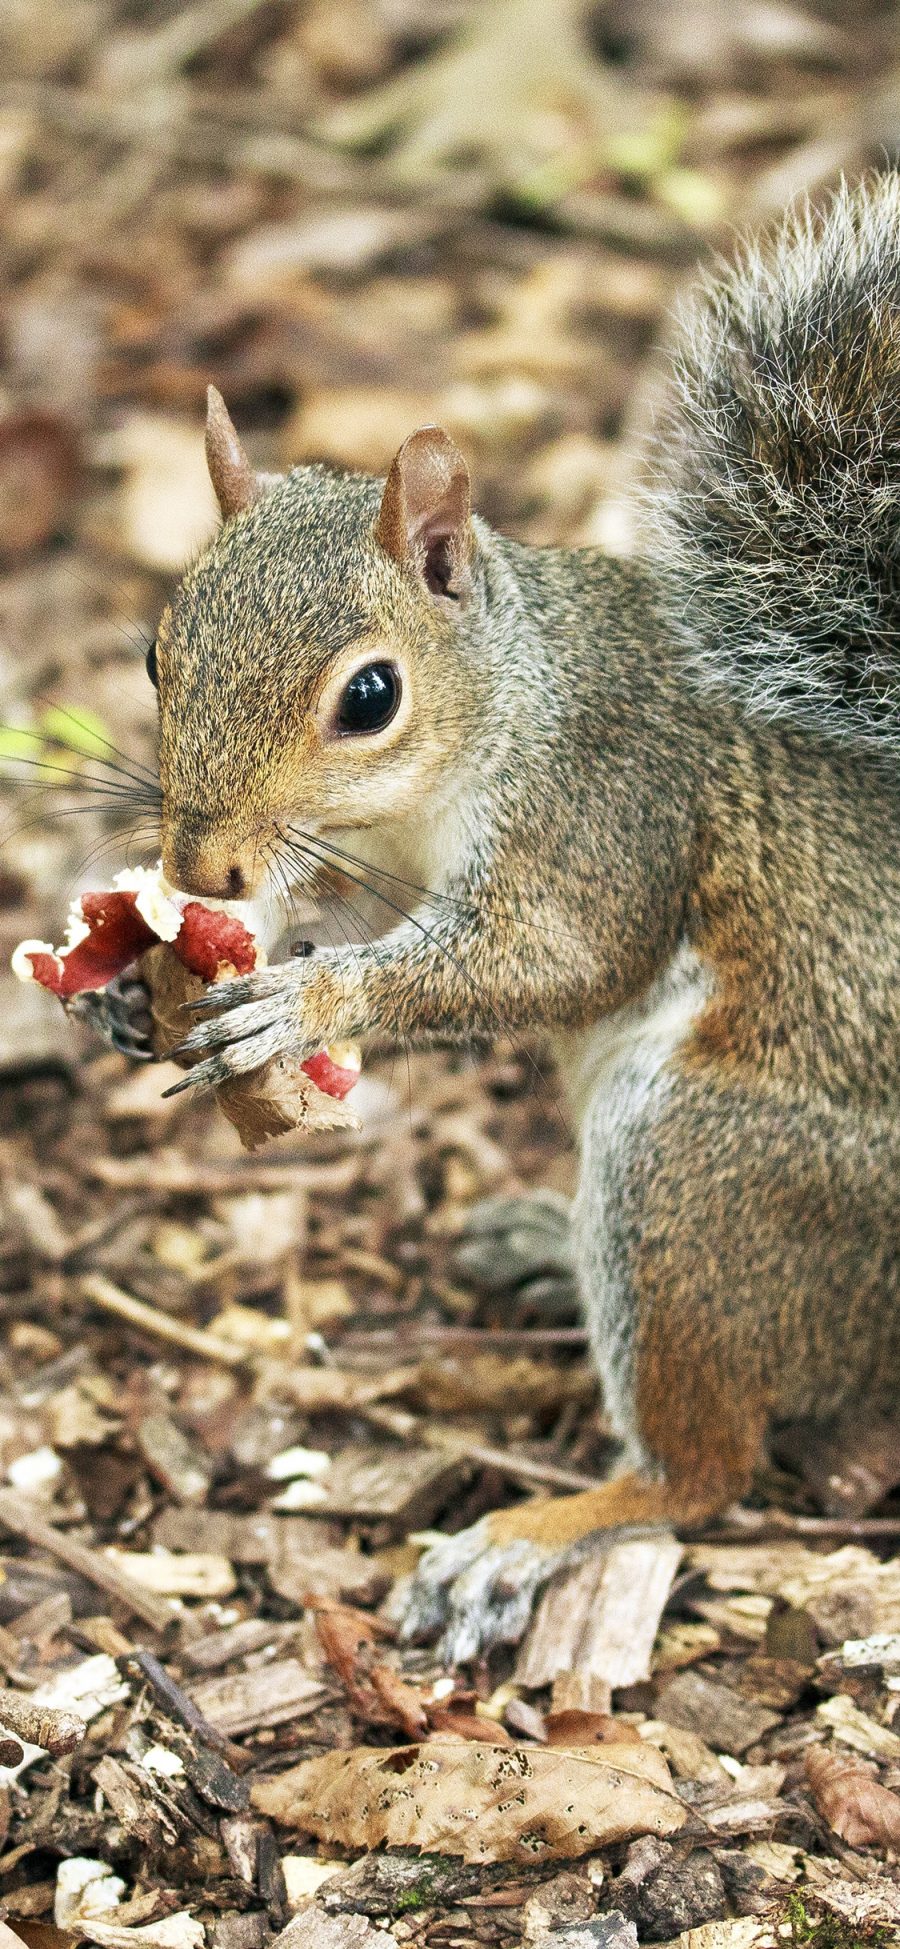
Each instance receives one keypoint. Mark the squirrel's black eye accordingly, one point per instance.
(151, 666)
(370, 699)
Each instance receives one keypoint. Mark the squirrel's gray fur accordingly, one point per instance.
(695, 892)
(776, 514)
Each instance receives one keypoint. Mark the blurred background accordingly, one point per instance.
(354, 216)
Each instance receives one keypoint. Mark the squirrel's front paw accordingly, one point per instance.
(252, 1019)
(121, 1014)
(476, 1592)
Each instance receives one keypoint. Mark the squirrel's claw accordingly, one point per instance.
(476, 1593)
(120, 1014)
(250, 1028)
(223, 996)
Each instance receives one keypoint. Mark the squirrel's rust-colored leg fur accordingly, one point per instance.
(738, 1262)
(479, 1586)
(704, 1437)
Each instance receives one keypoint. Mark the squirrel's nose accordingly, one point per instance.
(209, 865)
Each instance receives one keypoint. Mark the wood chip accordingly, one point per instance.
(724, 1720)
(403, 1486)
(267, 1696)
(24, 1520)
(188, 1575)
(855, 1728)
(58, 1732)
(602, 1616)
(172, 1460)
(218, 1648)
(260, 1538)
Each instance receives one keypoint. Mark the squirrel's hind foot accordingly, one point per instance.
(475, 1592)
(478, 1588)
(523, 1246)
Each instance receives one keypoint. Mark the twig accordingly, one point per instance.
(176, 1704)
(459, 1339)
(775, 1525)
(162, 51)
(519, 1468)
(174, 1172)
(22, 1519)
(161, 1326)
(99, 1230)
(41, 1725)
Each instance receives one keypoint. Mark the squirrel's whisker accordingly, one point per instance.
(133, 780)
(133, 766)
(381, 872)
(308, 876)
(501, 1027)
(73, 781)
(103, 580)
(106, 844)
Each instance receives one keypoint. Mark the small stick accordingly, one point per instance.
(41, 1725)
(178, 1706)
(458, 1339)
(22, 1519)
(775, 1525)
(519, 1468)
(160, 1326)
(99, 1230)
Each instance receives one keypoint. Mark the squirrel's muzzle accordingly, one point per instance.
(210, 862)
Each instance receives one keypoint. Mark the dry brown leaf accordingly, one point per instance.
(278, 1098)
(342, 1632)
(38, 477)
(463, 1722)
(573, 1726)
(402, 1703)
(860, 1810)
(268, 1102)
(486, 1803)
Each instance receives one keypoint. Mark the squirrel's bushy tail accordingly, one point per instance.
(777, 513)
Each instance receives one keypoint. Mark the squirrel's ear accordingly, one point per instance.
(425, 511)
(235, 483)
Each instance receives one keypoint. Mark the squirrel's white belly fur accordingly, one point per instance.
(618, 1076)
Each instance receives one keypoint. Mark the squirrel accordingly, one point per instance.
(649, 808)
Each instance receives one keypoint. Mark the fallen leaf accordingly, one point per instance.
(463, 1722)
(485, 1803)
(402, 1702)
(855, 1805)
(574, 1727)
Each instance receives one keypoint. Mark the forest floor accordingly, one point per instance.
(237, 1389)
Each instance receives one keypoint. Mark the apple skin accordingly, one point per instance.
(334, 1071)
(209, 943)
